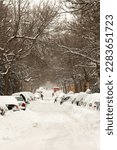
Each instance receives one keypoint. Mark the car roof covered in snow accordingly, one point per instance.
(25, 93)
(5, 100)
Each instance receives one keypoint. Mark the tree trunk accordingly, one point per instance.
(64, 88)
(75, 86)
(6, 84)
(86, 84)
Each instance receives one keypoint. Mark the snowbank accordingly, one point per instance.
(49, 126)
(16, 124)
(81, 99)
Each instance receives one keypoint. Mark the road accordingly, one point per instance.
(58, 127)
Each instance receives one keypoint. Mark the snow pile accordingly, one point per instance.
(8, 100)
(91, 98)
(85, 126)
(80, 96)
(46, 125)
(81, 99)
(92, 118)
(16, 124)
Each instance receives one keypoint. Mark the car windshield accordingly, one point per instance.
(19, 99)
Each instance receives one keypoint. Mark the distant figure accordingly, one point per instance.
(55, 100)
(52, 94)
(41, 96)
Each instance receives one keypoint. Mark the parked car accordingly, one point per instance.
(92, 101)
(21, 102)
(30, 94)
(3, 110)
(65, 98)
(62, 97)
(59, 97)
(27, 96)
(37, 96)
(78, 100)
(10, 102)
(96, 105)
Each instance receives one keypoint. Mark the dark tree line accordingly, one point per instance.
(78, 44)
(39, 44)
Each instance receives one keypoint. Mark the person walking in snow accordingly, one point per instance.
(52, 94)
(41, 96)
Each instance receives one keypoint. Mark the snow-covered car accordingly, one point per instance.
(19, 94)
(37, 96)
(3, 110)
(27, 96)
(69, 97)
(59, 97)
(21, 102)
(55, 98)
(10, 102)
(78, 100)
(65, 98)
(62, 97)
(92, 101)
(96, 105)
(31, 95)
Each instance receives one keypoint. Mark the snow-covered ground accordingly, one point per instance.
(49, 126)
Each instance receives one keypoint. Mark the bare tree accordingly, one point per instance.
(80, 39)
(23, 29)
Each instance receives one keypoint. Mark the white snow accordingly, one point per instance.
(8, 100)
(46, 125)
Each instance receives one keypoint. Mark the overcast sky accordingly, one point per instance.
(63, 15)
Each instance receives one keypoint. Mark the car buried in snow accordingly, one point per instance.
(59, 97)
(37, 96)
(78, 100)
(10, 102)
(64, 99)
(27, 96)
(3, 110)
(21, 102)
(96, 105)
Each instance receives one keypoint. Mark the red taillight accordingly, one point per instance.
(17, 107)
(23, 104)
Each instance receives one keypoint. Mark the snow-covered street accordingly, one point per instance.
(49, 126)
(50, 74)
